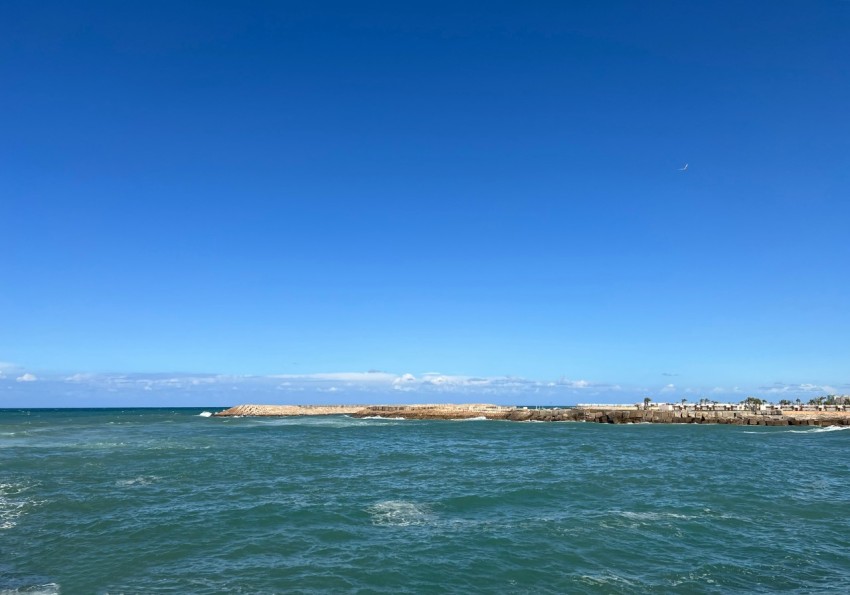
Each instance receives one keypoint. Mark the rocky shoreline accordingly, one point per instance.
(593, 415)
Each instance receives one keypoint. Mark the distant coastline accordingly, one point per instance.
(613, 414)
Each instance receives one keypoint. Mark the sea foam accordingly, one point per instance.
(142, 480)
(381, 417)
(652, 516)
(818, 430)
(13, 504)
(46, 589)
(398, 513)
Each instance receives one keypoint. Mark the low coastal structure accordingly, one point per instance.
(619, 415)
(288, 410)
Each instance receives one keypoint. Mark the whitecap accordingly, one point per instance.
(142, 480)
(830, 429)
(818, 429)
(13, 504)
(605, 580)
(398, 513)
(46, 589)
(205, 414)
(381, 417)
(479, 418)
(651, 516)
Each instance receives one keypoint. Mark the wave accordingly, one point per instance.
(818, 430)
(46, 589)
(479, 418)
(651, 516)
(142, 480)
(13, 505)
(606, 581)
(768, 431)
(381, 417)
(205, 414)
(399, 513)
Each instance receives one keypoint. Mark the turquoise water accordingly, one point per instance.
(159, 501)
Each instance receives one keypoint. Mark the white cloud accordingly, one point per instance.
(442, 380)
(80, 378)
(364, 377)
(669, 388)
(433, 382)
(361, 387)
(8, 368)
(780, 388)
(404, 382)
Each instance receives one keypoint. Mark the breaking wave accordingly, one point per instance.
(399, 513)
(13, 504)
(46, 589)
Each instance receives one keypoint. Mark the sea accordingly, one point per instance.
(170, 501)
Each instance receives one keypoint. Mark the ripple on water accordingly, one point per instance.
(14, 503)
(399, 513)
(141, 480)
(265, 506)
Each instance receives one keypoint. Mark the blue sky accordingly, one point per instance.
(246, 191)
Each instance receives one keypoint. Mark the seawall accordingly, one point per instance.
(610, 416)
(287, 410)
(593, 415)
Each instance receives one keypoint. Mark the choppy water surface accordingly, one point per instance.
(156, 501)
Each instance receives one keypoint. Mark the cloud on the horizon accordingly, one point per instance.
(8, 368)
(783, 388)
(88, 389)
(138, 389)
(432, 382)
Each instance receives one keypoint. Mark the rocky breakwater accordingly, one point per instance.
(593, 415)
(442, 411)
(287, 410)
(609, 416)
(686, 416)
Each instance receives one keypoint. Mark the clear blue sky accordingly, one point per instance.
(482, 189)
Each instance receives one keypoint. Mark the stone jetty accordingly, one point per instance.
(442, 411)
(288, 410)
(621, 415)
